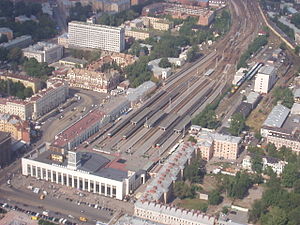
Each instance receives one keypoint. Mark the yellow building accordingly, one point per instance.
(137, 34)
(27, 81)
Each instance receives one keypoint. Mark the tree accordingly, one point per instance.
(238, 187)
(35, 69)
(183, 190)
(290, 174)
(297, 50)
(3, 38)
(195, 171)
(164, 63)
(192, 53)
(192, 139)
(285, 95)
(257, 163)
(3, 54)
(237, 124)
(256, 211)
(15, 55)
(215, 198)
(275, 216)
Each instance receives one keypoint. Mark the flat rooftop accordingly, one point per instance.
(92, 163)
(268, 70)
(168, 121)
(78, 127)
(277, 116)
(95, 25)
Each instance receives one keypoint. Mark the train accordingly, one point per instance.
(248, 76)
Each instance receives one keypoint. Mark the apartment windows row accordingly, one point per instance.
(72, 181)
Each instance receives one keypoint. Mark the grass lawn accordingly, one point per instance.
(196, 204)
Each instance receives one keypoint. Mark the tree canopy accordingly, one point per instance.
(10, 88)
(164, 63)
(35, 69)
(284, 95)
(237, 124)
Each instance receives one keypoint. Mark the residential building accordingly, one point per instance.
(14, 106)
(166, 214)
(122, 59)
(137, 2)
(32, 82)
(44, 52)
(282, 137)
(265, 79)
(275, 164)
(93, 80)
(152, 205)
(6, 31)
(137, 33)
(19, 42)
(48, 99)
(233, 217)
(253, 98)
(115, 5)
(297, 95)
(5, 149)
(223, 146)
(82, 171)
(206, 18)
(73, 62)
(157, 23)
(96, 36)
(23, 18)
(79, 131)
(19, 130)
(217, 3)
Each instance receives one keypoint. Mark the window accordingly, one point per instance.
(33, 171)
(49, 174)
(97, 187)
(70, 180)
(108, 189)
(114, 191)
(102, 189)
(28, 169)
(38, 172)
(59, 178)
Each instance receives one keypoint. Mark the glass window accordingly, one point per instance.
(33, 171)
(28, 169)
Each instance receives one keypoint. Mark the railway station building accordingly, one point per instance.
(82, 170)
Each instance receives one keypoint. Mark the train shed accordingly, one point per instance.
(186, 121)
(171, 118)
(155, 119)
(140, 116)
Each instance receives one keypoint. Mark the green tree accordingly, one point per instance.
(164, 63)
(275, 216)
(15, 55)
(238, 187)
(183, 190)
(297, 50)
(3, 54)
(215, 198)
(195, 171)
(256, 211)
(290, 174)
(192, 139)
(3, 38)
(192, 53)
(257, 163)
(237, 124)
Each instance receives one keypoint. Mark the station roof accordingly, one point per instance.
(179, 127)
(155, 117)
(141, 115)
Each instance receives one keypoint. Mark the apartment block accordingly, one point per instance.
(48, 99)
(88, 35)
(218, 145)
(5, 149)
(137, 34)
(13, 106)
(33, 83)
(157, 23)
(265, 79)
(93, 80)
(19, 130)
(6, 31)
(44, 52)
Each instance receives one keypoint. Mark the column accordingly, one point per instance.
(89, 185)
(67, 177)
(105, 190)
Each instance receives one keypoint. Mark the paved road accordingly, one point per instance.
(64, 207)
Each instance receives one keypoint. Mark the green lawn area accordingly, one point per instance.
(195, 203)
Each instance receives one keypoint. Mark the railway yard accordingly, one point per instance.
(148, 132)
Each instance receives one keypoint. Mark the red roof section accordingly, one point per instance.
(78, 128)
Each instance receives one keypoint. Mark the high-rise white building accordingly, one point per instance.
(89, 35)
(265, 79)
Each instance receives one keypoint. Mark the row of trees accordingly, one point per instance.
(284, 28)
(256, 45)
(79, 12)
(10, 88)
(237, 124)
(296, 19)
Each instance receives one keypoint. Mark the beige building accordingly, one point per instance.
(27, 81)
(218, 145)
(17, 107)
(6, 31)
(19, 130)
(63, 40)
(157, 23)
(44, 52)
(137, 34)
(48, 99)
(93, 80)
